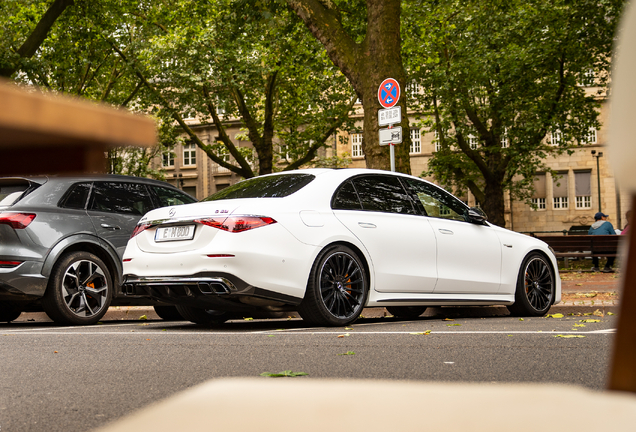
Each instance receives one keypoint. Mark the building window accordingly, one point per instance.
(189, 154)
(356, 145)
(412, 89)
(583, 189)
(473, 142)
(505, 142)
(539, 194)
(416, 141)
(560, 191)
(556, 137)
(167, 159)
(590, 137)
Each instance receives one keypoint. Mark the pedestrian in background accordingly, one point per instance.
(629, 218)
(602, 226)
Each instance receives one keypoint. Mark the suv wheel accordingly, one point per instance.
(79, 290)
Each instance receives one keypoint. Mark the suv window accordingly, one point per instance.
(275, 186)
(76, 196)
(383, 194)
(115, 197)
(436, 202)
(12, 190)
(170, 197)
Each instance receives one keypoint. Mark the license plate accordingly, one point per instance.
(174, 233)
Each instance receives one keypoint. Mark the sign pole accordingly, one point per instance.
(392, 152)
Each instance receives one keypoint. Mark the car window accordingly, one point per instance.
(346, 198)
(170, 197)
(383, 194)
(273, 186)
(436, 202)
(116, 197)
(12, 190)
(76, 196)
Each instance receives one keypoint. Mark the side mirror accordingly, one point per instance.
(477, 216)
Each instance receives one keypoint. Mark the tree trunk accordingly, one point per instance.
(493, 203)
(366, 65)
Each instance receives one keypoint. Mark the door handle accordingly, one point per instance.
(367, 225)
(445, 231)
(111, 227)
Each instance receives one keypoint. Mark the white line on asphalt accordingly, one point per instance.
(293, 332)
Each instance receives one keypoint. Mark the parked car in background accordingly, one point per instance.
(62, 240)
(328, 243)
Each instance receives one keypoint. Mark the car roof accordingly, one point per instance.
(88, 177)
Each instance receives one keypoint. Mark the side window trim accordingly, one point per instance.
(416, 211)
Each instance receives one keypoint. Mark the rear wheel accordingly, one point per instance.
(79, 290)
(535, 287)
(406, 311)
(206, 317)
(168, 313)
(337, 289)
(8, 312)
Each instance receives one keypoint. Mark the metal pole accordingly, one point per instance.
(392, 153)
(598, 177)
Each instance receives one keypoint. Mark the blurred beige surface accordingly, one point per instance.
(306, 404)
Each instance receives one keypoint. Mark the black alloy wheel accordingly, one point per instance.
(79, 291)
(337, 289)
(535, 287)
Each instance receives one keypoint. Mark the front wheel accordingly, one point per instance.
(79, 290)
(206, 317)
(337, 289)
(535, 287)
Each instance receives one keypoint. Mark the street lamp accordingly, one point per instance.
(598, 176)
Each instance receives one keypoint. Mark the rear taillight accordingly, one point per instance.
(237, 224)
(139, 229)
(9, 264)
(17, 220)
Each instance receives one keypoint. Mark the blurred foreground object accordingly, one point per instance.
(268, 404)
(49, 134)
(622, 152)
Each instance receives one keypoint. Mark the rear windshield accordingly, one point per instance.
(12, 190)
(275, 186)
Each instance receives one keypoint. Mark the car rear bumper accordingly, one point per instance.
(23, 282)
(209, 290)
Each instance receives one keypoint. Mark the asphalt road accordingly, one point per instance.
(78, 378)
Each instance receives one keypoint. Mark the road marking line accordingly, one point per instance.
(328, 333)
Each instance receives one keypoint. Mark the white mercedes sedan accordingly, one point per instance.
(328, 243)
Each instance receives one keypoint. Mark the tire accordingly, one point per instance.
(406, 311)
(8, 312)
(535, 287)
(168, 313)
(79, 291)
(206, 317)
(337, 289)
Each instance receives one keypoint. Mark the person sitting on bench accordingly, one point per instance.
(602, 226)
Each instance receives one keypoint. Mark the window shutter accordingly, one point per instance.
(560, 185)
(539, 186)
(582, 183)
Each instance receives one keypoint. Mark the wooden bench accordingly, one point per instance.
(583, 246)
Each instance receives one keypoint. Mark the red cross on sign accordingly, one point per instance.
(389, 93)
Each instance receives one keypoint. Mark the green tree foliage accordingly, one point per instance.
(208, 60)
(505, 75)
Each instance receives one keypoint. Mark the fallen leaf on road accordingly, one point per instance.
(520, 319)
(579, 325)
(348, 328)
(248, 319)
(598, 313)
(610, 313)
(143, 317)
(147, 339)
(348, 353)
(55, 352)
(343, 335)
(570, 336)
(590, 320)
(421, 333)
(556, 315)
(448, 319)
(449, 325)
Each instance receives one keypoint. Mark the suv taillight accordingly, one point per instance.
(17, 220)
(237, 224)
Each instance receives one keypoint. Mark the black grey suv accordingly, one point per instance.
(62, 240)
